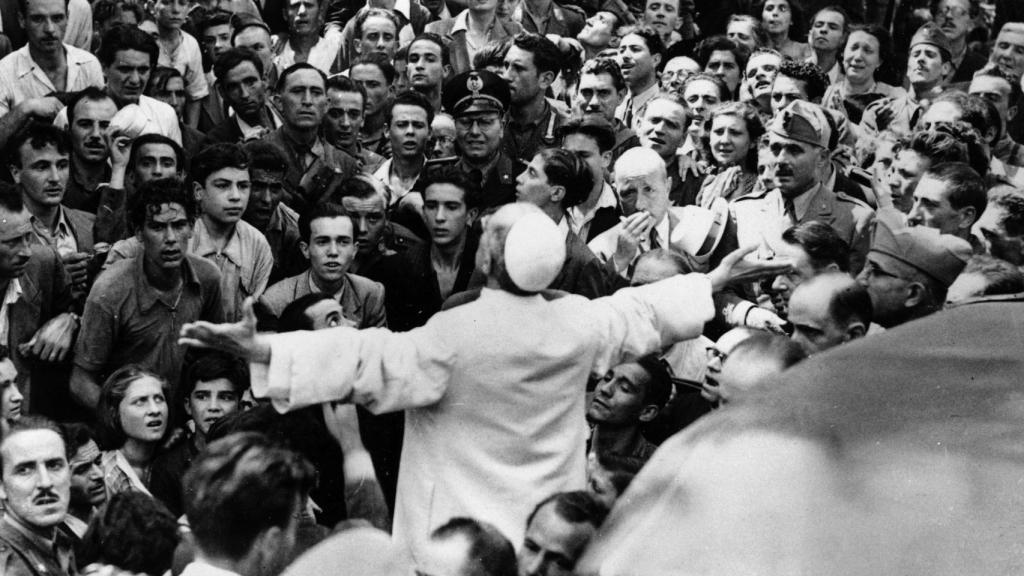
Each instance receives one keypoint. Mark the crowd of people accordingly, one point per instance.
(542, 238)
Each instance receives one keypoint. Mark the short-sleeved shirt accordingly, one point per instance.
(187, 59)
(127, 320)
(21, 79)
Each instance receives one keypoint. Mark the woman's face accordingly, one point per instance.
(777, 16)
(143, 411)
(10, 396)
(729, 139)
(861, 57)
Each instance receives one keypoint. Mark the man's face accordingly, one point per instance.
(36, 479)
(932, 209)
(954, 18)
(426, 65)
(15, 242)
(647, 192)
(777, 16)
(765, 168)
(265, 193)
(814, 328)
(1008, 52)
(344, 118)
(374, 83)
(701, 96)
(827, 31)
(883, 278)
(796, 168)
(258, 40)
(11, 398)
(620, 396)
(586, 148)
(165, 236)
(173, 94)
(996, 90)
(303, 100)
(521, 74)
(225, 194)
(723, 64)
(651, 270)
(210, 401)
(127, 76)
(88, 486)
(217, 40)
(244, 90)
(783, 285)
(154, 161)
(662, 15)
(43, 174)
(638, 64)
(1000, 243)
(170, 13)
(379, 36)
(599, 30)
(44, 22)
(676, 71)
(742, 32)
(325, 314)
(479, 134)
(532, 184)
(786, 90)
(408, 130)
(943, 112)
(907, 170)
(743, 371)
(663, 128)
(331, 247)
(761, 71)
(446, 214)
(597, 96)
(303, 16)
(925, 66)
(441, 143)
(552, 545)
(369, 216)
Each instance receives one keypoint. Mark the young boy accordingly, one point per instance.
(179, 49)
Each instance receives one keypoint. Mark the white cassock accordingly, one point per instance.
(494, 390)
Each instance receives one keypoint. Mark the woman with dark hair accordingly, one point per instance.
(731, 134)
(783, 21)
(865, 53)
(167, 85)
(132, 419)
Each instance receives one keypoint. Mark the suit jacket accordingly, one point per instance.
(46, 293)
(457, 46)
(362, 300)
(82, 224)
(761, 217)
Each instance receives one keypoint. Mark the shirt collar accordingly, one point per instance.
(563, 227)
(802, 202)
(62, 230)
(461, 23)
(147, 295)
(202, 244)
(41, 541)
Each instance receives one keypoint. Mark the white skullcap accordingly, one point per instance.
(534, 250)
(132, 122)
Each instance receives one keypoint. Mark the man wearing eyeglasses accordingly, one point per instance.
(478, 100)
(956, 19)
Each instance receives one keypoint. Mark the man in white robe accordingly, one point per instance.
(494, 389)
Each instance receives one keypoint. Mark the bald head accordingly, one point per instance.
(828, 310)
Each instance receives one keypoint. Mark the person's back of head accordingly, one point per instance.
(242, 497)
(133, 532)
(753, 361)
(985, 275)
(486, 551)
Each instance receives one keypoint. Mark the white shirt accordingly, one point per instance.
(21, 79)
(163, 118)
(580, 222)
(322, 55)
(187, 59)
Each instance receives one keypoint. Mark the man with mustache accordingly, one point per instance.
(240, 82)
(43, 66)
(36, 486)
(799, 137)
(89, 115)
(956, 19)
(927, 67)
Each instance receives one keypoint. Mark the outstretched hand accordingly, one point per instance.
(238, 338)
(736, 268)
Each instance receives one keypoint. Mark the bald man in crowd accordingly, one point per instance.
(829, 310)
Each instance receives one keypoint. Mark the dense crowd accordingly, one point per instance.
(542, 239)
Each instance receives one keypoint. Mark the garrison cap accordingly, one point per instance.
(940, 256)
(804, 122)
(929, 33)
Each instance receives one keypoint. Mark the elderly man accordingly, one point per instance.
(459, 376)
(36, 485)
(909, 270)
(827, 311)
(650, 223)
(798, 137)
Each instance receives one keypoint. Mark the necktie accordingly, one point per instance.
(790, 210)
(654, 240)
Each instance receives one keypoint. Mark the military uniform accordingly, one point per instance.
(523, 141)
(22, 554)
(564, 20)
(313, 172)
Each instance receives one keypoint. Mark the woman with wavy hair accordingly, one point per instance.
(133, 420)
(731, 134)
